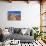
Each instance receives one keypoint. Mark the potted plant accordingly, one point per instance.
(37, 33)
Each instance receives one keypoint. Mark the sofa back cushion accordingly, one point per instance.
(11, 30)
(17, 30)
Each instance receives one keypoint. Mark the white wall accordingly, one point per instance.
(30, 14)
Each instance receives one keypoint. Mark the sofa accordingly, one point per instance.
(16, 34)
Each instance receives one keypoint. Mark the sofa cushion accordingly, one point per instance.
(17, 30)
(23, 30)
(11, 30)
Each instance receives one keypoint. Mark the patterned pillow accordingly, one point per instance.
(11, 30)
(17, 30)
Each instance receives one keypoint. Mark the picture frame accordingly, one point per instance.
(14, 15)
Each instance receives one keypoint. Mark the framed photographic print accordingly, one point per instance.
(14, 15)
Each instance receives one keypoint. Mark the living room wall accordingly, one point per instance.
(30, 14)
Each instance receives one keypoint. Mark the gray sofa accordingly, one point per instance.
(22, 38)
(17, 35)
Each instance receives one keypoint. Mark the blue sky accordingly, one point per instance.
(17, 13)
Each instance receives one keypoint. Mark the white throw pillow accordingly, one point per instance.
(23, 31)
(5, 32)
